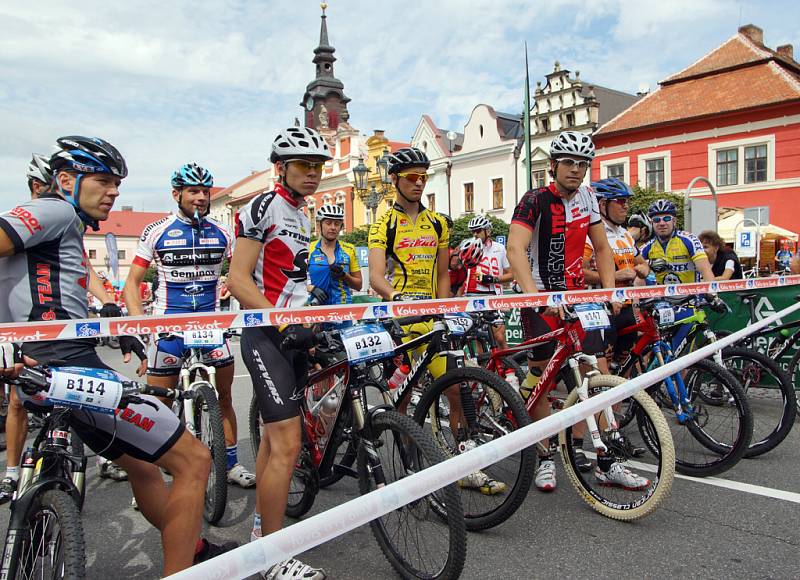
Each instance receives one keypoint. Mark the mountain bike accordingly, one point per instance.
(709, 437)
(201, 412)
(45, 534)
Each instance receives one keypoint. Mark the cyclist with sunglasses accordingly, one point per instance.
(676, 256)
(268, 270)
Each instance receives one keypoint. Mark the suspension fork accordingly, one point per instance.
(582, 382)
(676, 388)
(188, 403)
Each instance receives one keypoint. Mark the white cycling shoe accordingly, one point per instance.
(620, 476)
(239, 475)
(293, 569)
(545, 479)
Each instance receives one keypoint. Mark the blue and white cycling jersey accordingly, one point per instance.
(188, 262)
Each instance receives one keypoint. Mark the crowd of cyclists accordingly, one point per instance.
(563, 236)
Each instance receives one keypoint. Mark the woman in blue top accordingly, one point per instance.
(333, 265)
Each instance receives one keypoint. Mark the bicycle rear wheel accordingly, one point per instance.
(770, 394)
(208, 427)
(496, 410)
(615, 501)
(254, 426)
(427, 537)
(52, 544)
(713, 438)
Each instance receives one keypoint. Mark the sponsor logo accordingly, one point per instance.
(479, 304)
(193, 289)
(286, 318)
(420, 242)
(380, 311)
(589, 297)
(253, 319)
(43, 286)
(170, 325)
(174, 233)
(170, 243)
(216, 354)
(131, 416)
(31, 223)
(781, 280)
(196, 274)
(209, 242)
(170, 360)
(751, 284)
(87, 329)
(300, 237)
(670, 290)
(619, 295)
(26, 334)
(555, 299)
(713, 287)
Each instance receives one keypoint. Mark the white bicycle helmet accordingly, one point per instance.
(573, 144)
(330, 211)
(479, 222)
(470, 250)
(300, 143)
(39, 169)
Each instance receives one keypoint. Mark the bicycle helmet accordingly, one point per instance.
(470, 250)
(573, 144)
(299, 143)
(447, 219)
(39, 169)
(640, 220)
(611, 188)
(407, 157)
(330, 211)
(479, 222)
(192, 174)
(662, 206)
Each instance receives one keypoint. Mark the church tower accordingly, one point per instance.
(324, 101)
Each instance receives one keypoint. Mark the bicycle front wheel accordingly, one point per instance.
(51, 545)
(621, 493)
(469, 407)
(426, 538)
(208, 427)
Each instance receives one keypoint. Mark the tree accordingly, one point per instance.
(150, 274)
(460, 230)
(643, 197)
(357, 237)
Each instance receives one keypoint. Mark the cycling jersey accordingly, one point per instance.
(47, 277)
(188, 262)
(559, 227)
(276, 220)
(681, 252)
(622, 246)
(493, 263)
(411, 248)
(319, 271)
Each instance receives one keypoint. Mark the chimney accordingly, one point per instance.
(378, 132)
(786, 51)
(127, 208)
(753, 32)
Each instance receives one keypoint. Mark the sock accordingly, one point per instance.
(232, 453)
(527, 386)
(548, 457)
(604, 462)
(200, 546)
(257, 524)
(13, 473)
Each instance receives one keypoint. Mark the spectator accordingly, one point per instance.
(784, 257)
(458, 274)
(724, 262)
(224, 294)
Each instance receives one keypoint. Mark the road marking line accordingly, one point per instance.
(241, 376)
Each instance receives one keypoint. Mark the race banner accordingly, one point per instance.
(137, 325)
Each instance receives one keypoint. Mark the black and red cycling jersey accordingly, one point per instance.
(559, 229)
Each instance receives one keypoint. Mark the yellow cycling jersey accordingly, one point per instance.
(681, 252)
(411, 248)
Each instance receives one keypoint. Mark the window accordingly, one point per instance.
(546, 125)
(616, 171)
(654, 174)
(469, 198)
(570, 119)
(727, 167)
(432, 201)
(497, 193)
(539, 178)
(92, 254)
(121, 254)
(755, 163)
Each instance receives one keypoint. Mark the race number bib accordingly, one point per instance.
(459, 323)
(592, 316)
(666, 314)
(85, 388)
(205, 337)
(367, 342)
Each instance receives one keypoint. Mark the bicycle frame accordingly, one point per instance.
(193, 363)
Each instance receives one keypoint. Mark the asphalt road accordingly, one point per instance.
(710, 529)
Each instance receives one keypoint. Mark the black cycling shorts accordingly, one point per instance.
(535, 325)
(624, 319)
(279, 376)
(139, 430)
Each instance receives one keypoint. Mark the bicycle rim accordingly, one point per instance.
(208, 424)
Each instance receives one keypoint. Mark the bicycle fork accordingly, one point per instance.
(583, 395)
(678, 396)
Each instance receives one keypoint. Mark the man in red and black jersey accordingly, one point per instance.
(545, 249)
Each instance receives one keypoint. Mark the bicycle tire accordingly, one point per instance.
(254, 426)
(794, 375)
(440, 511)
(713, 457)
(624, 506)
(346, 450)
(304, 485)
(208, 427)
(59, 505)
(504, 410)
(767, 432)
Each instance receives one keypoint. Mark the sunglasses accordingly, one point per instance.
(415, 177)
(666, 219)
(579, 163)
(304, 165)
(621, 201)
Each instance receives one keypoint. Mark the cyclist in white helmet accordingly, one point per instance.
(332, 264)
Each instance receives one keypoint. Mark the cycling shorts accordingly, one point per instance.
(279, 376)
(438, 364)
(140, 430)
(535, 325)
(622, 344)
(165, 355)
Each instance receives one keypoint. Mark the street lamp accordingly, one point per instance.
(383, 168)
(371, 196)
(361, 173)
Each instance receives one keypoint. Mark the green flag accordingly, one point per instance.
(527, 123)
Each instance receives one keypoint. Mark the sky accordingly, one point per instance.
(212, 82)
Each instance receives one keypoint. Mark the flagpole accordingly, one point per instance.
(527, 123)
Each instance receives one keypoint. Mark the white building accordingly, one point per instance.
(439, 147)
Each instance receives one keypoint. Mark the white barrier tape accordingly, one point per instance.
(306, 534)
(137, 325)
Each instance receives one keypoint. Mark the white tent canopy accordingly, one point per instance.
(770, 231)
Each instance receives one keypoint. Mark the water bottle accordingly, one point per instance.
(399, 375)
(651, 279)
(326, 415)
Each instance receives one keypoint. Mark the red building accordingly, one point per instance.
(733, 117)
